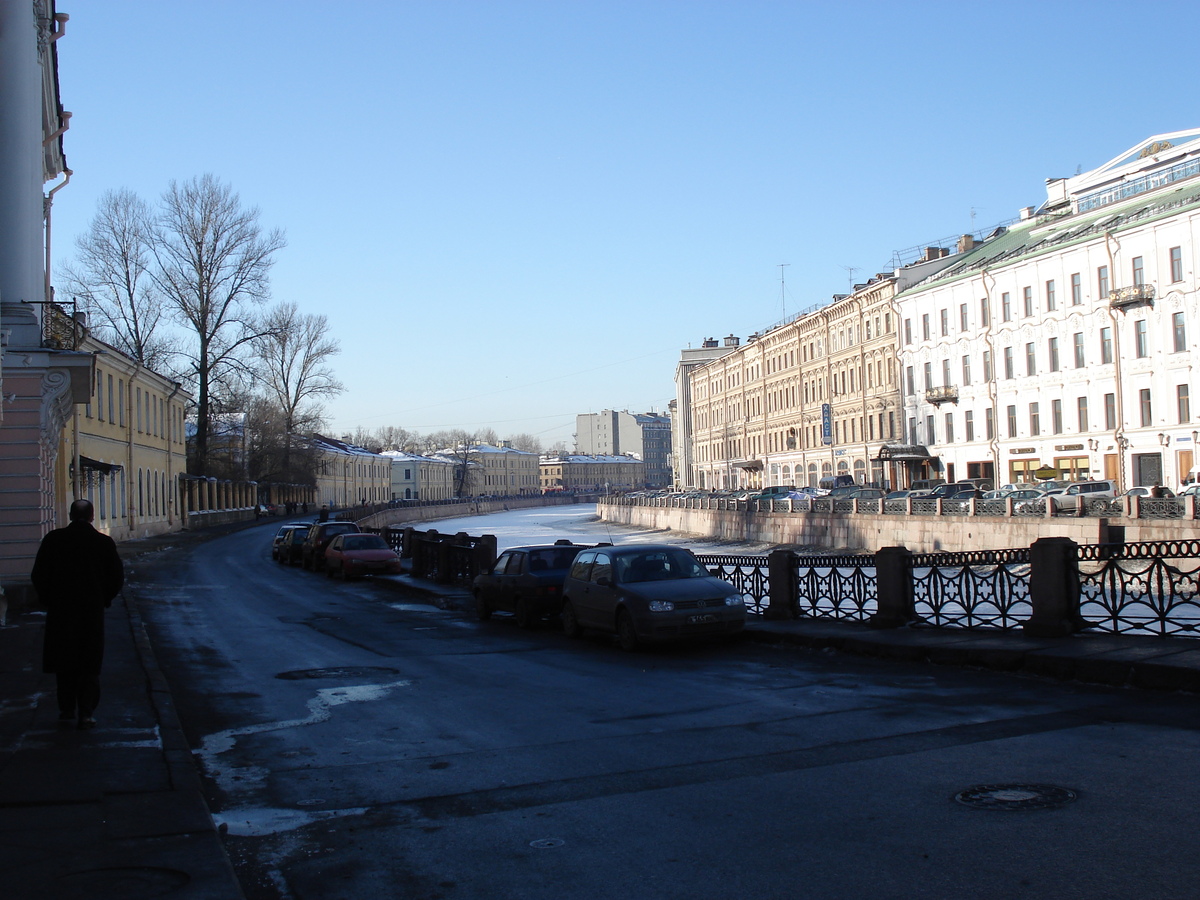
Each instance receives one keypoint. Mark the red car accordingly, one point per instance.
(350, 555)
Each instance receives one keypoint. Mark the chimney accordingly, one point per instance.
(965, 243)
(732, 341)
(709, 343)
(1027, 212)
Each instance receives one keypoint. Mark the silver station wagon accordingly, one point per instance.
(646, 593)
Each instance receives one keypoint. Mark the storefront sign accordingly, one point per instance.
(1062, 448)
(1021, 450)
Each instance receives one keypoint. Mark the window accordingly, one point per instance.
(1056, 417)
(945, 316)
(1027, 301)
(1144, 407)
(1053, 342)
(925, 326)
(908, 331)
(1051, 302)
(969, 419)
(989, 423)
(1102, 282)
(928, 375)
(1183, 403)
(949, 428)
(99, 395)
(987, 365)
(908, 381)
(1110, 411)
(1035, 419)
(912, 430)
(962, 317)
(1139, 338)
(1008, 362)
(1081, 409)
(1176, 265)
(966, 370)
(1006, 306)
(121, 402)
(985, 312)
(1139, 271)
(1106, 355)
(946, 372)
(1012, 421)
(110, 398)
(929, 432)
(1077, 341)
(1178, 334)
(1076, 289)
(139, 423)
(1030, 359)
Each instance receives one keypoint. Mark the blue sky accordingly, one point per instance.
(514, 212)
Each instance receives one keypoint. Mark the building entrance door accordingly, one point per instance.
(1147, 468)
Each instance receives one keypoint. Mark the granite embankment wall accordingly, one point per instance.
(866, 532)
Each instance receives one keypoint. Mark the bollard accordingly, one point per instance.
(1053, 588)
(893, 580)
(781, 585)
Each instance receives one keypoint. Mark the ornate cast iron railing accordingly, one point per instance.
(979, 589)
(1159, 508)
(924, 507)
(836, 587)
(1146, 588)
(746, 573)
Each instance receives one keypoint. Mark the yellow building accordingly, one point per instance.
(815, 397)
(486, 471)
(125, 447)
(582, 473)
(347, 475)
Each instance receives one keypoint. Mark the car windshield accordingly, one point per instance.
(363, 542)
(658, 565)
(557, 558)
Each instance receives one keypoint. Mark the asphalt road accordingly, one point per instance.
(358, 745)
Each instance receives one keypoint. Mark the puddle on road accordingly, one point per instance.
(255, 822)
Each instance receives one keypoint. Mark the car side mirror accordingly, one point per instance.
(604, 581)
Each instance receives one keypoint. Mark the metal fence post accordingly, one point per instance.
(894, 587)
(781, 585)
(1053, 588)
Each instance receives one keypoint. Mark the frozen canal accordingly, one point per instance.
(578, 523)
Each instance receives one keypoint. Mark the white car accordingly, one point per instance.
(1081, 491)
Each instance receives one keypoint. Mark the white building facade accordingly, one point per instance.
(1067, 341)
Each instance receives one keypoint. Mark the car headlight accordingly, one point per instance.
(661, 606)
(737, 600)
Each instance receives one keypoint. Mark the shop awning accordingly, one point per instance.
(94, 465)
(749, 464)
(902, 453)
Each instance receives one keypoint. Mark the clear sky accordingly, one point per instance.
(514, 212)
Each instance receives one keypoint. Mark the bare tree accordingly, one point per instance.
(293, 355)
(528, 442)
(111, 274)
(212, 265)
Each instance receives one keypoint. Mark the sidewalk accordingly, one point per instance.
(115, 812)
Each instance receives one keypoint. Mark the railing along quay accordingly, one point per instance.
(1115, 507)
(1053, 588)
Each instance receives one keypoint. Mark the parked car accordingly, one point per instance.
(958, 490)
(351, 555)
(290, 546)
(648, 592)
(1082, 491)
(1025, 498)
(843, 492)
(867, 494)
(282, 534)
(527, 581)
(897, 495)
(312, 551)
(776, 492)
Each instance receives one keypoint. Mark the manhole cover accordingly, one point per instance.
(1014, 796)
(338, 672)
(546, 843)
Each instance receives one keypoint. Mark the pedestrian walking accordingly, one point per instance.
(76, 574)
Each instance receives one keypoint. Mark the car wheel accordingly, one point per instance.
(626, 633)
(482, 610)
(525, 616)
(570, 622)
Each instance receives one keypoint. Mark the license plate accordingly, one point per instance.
(701, 620)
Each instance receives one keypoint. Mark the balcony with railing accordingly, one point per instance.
(939, 395)
(1131, 295)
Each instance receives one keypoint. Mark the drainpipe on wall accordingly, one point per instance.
(1110, 239)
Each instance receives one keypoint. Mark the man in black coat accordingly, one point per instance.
(76, 575)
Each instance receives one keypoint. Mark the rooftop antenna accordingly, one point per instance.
(850, 270)
(782, 295)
